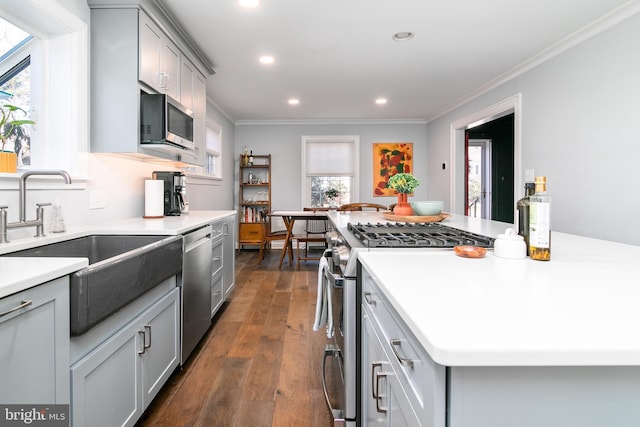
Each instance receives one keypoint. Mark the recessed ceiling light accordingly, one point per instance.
(294, 101)
(381, 101)
(249, 3)
(266, 59)
(402, 36)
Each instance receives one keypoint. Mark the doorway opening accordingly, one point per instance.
(479, 190)
(502, 207)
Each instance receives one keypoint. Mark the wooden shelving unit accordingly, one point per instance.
(255, 197)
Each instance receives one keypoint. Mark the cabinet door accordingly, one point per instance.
(229, 254)
(161, 325)
(149, 52)
(105, 383)
(159, 58)
(375, 378)
(170, 69)
(385, 402)
(200, 117)
(186, 84)
(34, 345)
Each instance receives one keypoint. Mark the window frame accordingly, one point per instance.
(59, 52)
(215, 127)
(354, 174)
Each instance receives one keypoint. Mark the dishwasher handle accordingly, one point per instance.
(195, 238)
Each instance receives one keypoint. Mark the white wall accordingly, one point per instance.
(580, 127)
(284, 143)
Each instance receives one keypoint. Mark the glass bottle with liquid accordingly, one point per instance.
(540, 222)
(245, 156)
(523, 212)
(251, 158)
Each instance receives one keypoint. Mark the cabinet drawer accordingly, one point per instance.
(250, 232)
(217, 292)
(216, 256)
(217, 230)
(421, 378)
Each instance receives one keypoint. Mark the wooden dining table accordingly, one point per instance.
(289, 218)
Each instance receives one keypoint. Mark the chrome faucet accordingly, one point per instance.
(22, 221)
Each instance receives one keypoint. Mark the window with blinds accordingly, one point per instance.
(330, 163)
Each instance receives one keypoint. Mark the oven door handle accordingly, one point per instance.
(337, 414)
(337, 281)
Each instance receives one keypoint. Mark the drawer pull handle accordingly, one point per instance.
(403, 361)
(144, 347)
(23, 304)
(374, 365)
(368, 299)
(147, 328)
(379, 396)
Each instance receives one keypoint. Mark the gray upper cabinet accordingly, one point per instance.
(132, 52)
(159, 65)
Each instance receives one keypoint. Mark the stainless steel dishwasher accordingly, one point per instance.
(196, 288)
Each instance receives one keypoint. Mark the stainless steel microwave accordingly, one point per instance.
(164, 121)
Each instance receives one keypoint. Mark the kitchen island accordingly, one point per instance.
(514, 342)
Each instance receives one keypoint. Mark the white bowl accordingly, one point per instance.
(428, 208)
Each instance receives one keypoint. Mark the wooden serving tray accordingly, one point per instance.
(415, 218)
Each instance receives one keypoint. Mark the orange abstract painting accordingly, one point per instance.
(390, 158)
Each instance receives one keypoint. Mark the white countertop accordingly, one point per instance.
(580, 308)
(22, 273)
(19, 274)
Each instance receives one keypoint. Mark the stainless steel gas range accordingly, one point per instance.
(341, 375)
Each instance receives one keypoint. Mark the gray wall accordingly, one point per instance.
(580, 128)
(216, 194)
(284, 143)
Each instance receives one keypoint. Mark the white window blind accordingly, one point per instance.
(330, 157)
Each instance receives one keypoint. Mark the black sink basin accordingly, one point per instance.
(121, 268)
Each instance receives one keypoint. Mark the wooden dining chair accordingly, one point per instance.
(362, 206)
(269, 235)
(314, 232)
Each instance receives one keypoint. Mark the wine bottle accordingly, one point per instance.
(251, 158)
(523, 212)
(540, 222)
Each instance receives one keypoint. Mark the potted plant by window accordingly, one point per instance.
(332, 194)
(404, 184)
(11, 128)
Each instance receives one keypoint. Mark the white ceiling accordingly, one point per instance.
(337, 56)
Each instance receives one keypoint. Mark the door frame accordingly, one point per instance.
(457, 148)
(487, 145)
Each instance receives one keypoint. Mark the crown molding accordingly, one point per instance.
(598, 26)
(332, 122)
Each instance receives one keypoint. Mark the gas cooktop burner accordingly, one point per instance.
(415, 235)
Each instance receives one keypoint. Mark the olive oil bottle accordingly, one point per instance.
(540, 222)
(523, 212)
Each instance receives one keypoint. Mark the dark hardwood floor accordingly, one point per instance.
(259, 363)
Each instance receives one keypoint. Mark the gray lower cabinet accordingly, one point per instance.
(113, 384)
(402, 385)
(34, 345)
(217, 266)
(385, 402)
(229, 250)
(400, 381)
(222, 261)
